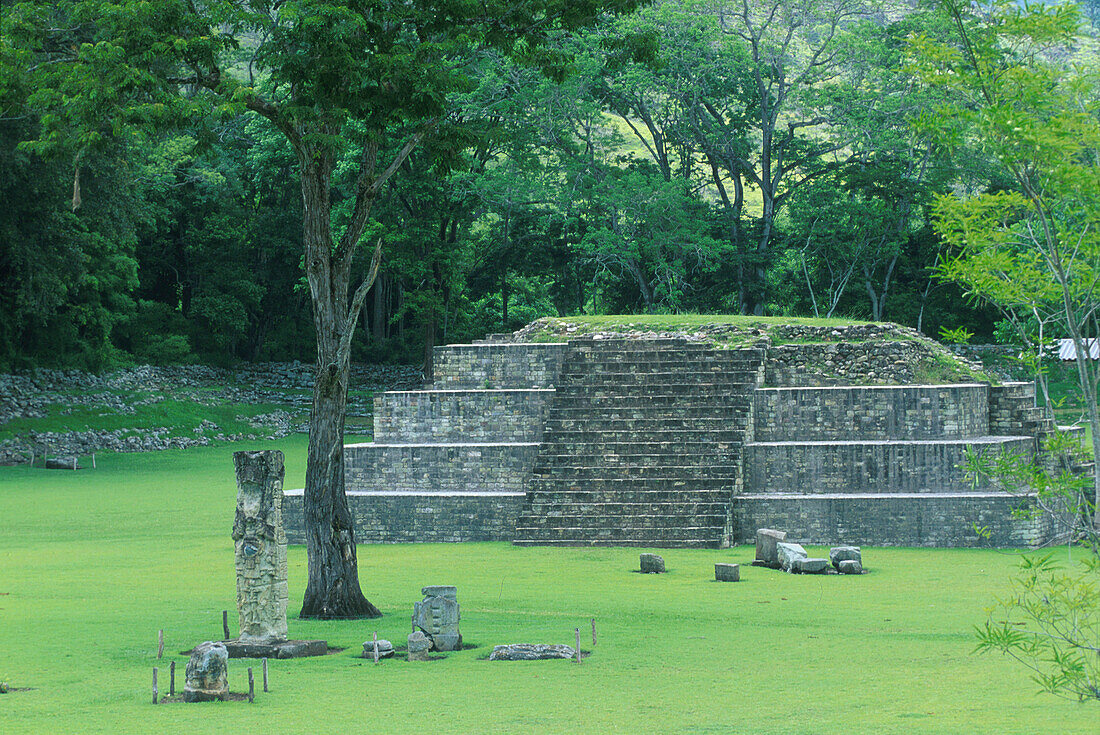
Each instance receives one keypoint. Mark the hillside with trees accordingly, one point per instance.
(687, 157)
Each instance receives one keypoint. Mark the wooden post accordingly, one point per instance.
(74, 462)
(156, 694)
(225, 623)
(265, 674)
(172, 679)
(251, 686)
(160, 643)
(93, 460)
(593, 632)
(375, 637)
(578, 632)
(32, 456)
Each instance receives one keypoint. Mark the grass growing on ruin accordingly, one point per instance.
(93, 563)
(551, 328)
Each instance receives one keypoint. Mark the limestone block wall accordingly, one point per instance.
(497, 365)
(418, 518)
(871, 412)
(457, 468)
(1011, 406)
(892, 467)
(890, 520)
(473, 415)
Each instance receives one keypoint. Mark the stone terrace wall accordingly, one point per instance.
(517, 365)
(419, 518)
(461, 415)
(871, 412)
(918, 466)
(898, 520)
(454, 468)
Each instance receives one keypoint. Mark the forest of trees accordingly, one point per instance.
(694, 155)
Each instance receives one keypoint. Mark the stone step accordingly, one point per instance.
(629, 434)
(645, 536)
(624, 473)
(609, 395)
(639, 419)
(668, 524)
(633, 445)
(558, 462)
(637, 491)
(657, 509)
(697, 543)
(622, 364)
(659, 407)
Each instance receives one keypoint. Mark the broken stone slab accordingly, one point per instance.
(810, 566)
(531, 652)
(419, 645)
(766, 540)
(850, 566)
(207, 674)
(440, 590)
(787, 553)
(838, 554)
(651, 563)
(385, 649)
(283, 649)
(727, 572)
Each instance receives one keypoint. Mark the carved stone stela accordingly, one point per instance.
(260, 543)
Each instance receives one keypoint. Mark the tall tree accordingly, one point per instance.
(361, 82)
(1032, 248)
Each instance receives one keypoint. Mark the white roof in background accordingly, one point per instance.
(1066, 350)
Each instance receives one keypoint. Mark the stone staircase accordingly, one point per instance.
(642, 445)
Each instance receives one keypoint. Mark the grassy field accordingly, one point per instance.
(93, 563)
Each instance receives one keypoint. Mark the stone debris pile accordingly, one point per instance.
(772, 550)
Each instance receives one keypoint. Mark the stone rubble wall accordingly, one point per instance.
(34, 394)
(843, 363)
(887, 412)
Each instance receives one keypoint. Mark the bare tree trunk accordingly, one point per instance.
(429, 344)
(332, 589)
(332, 586)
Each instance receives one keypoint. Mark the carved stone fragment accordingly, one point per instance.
(438, 615)
(207, 679)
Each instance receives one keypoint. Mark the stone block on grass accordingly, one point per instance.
(727, 572)
(850, 566)
(651, 564)
(810, 566)
(838, 554)
(766, 540)
(787, 553)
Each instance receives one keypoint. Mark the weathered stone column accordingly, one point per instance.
(260, 547)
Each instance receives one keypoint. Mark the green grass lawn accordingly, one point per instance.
(93, 563)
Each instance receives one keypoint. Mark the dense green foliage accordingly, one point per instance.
(692, 156)
(94, 563)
